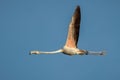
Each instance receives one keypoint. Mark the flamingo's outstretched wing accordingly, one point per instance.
(73, 32)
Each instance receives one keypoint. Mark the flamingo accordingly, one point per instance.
(70, 47)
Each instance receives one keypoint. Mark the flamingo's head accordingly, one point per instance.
(34, 52)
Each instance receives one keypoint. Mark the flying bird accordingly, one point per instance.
(70, 47)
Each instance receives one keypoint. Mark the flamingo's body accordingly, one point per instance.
(70, 47)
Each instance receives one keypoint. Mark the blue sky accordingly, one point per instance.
(42, 25)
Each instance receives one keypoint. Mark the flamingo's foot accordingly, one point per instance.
(95, 53)
(103, 53)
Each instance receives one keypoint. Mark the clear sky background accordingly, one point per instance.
(42, 25)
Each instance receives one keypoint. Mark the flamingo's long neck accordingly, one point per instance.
(43, 52)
